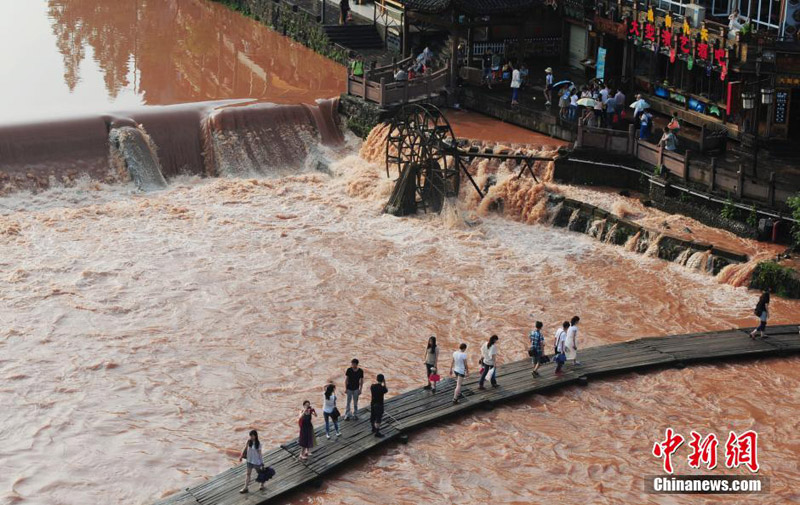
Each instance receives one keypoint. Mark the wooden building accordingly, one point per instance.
(714, 69)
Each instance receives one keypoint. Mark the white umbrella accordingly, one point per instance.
(641, 104)
(587, 102)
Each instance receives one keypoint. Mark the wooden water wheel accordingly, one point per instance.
(421, 151)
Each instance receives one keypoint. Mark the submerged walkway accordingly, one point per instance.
(416, 408)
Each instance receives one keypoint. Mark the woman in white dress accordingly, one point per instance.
(571, 347)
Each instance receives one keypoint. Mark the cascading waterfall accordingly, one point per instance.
(611, 234)
(230, 138)
(653, 247)
(699, 261)
(596, 229)
(632, 243)
(133, 149)
(573, 219)
(683, 257)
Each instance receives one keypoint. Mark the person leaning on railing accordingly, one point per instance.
(357, 67)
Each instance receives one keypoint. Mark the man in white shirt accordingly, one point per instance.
(638, 107)
(516, 82)
(604, 94)
(459, 368)
(548, 86)
(489, 361)
(560, 346)
(571, 345)
(573, 107)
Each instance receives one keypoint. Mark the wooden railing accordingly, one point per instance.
(726, 180)
(386, 91)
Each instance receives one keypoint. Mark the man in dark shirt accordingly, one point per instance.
(354, 381)
(376, 406)
(487, 67)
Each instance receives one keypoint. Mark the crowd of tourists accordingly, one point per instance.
(565, 353)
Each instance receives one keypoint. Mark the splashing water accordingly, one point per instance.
(632, 243)
(133, 149)
(699, 261)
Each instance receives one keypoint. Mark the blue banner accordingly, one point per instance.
(601, 63)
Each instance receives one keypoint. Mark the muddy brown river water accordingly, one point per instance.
(143, 334)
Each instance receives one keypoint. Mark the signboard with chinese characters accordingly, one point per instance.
(781, 106)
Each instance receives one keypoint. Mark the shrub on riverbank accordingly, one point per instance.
(794, 204)
(783, 280)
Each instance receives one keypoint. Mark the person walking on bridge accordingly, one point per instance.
(571, 349)
(560, 347)
(377, 390)
(489, 362)
(252, 454)
(353, 383)
(762, 312)
(536, 350)
(431, 359)
(460, 369)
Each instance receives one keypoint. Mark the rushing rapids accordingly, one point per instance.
(156, 339)
(144, 333)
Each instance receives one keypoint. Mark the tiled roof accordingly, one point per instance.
(477, 7)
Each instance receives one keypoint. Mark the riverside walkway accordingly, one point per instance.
(416, 408)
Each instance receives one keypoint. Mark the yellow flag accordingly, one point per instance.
(685, 26)
(704, 34)
(650, 16)
(668, 21)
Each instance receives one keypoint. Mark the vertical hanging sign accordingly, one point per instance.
(601, 63)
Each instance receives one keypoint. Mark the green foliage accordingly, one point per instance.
(300, 25)
(752, 217)
(783, 280)
(657, 170)
(684, 197)
(794, 203)
(728, 210)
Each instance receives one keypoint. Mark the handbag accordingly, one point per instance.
(561, 358)
(265, 473)
(544, 359)
(335, 414)
(531, 352)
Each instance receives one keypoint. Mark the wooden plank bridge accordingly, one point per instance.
(416, 408)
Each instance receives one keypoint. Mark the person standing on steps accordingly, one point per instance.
(460, 369)
(489, 361)
(516, 83)
(252, 454)
(548, 86)
(344, 11)
(537, 348)
(762, 312)
(487, 68)
(306, 439)
(571, 349)
(353, 383)
(329, 410)
(431, 359)
(377, 391)
(560, 347)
